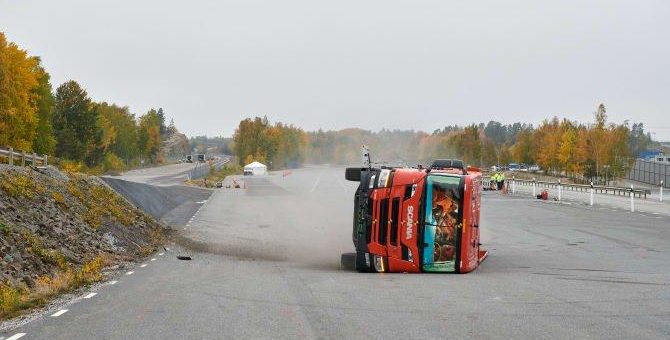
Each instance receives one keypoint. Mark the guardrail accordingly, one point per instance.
(23, 157)
(202, 169)
(620, 191)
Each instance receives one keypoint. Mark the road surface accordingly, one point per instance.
(265, 265)
(172, 174)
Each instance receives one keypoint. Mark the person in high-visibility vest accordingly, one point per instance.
(499, 181)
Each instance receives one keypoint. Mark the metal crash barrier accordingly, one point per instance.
(619, 191)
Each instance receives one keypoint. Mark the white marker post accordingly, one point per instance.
(514, 185)
(534, 195)
(559, 189)
(660, 195)
(632, 199)
(591, 192)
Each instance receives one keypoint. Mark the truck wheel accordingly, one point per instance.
(353, 174)
(348, 261)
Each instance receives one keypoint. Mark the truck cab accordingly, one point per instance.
(417, 220)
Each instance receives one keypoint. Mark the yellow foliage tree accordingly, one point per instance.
(19, 78)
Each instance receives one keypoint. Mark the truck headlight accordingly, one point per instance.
(379, 264)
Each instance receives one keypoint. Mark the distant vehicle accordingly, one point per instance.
(201, 158)
(514, 167)
(416, 220)
(219, 184)
(523, 167)
(534, 168)
(189, 159)
(495, 168)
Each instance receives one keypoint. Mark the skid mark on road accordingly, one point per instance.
(616, 240)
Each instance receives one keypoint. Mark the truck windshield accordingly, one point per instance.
(443, 218)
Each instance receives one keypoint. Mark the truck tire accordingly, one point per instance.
(353, 174)
(348, 261)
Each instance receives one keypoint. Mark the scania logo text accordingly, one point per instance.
(410, 221)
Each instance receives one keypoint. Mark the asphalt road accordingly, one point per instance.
(173, 174)
(265, 265)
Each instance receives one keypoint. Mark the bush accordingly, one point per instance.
(72, 166)
(20, 185)
(112, 162)
(15, 299)
(9, 298)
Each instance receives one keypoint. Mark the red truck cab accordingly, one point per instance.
(417, 220)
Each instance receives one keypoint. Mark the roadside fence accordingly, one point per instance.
(654, 173)
(589, 188)
(16, 158)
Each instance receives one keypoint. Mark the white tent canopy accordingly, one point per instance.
(255, 168)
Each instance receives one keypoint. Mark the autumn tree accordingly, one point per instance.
(568, 150)
(19, 79)
(44, 141)
(75, 123)
(149, 136)
(468, 144)
(120, 131)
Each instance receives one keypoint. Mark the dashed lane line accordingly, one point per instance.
(143, 265)
(153, 259)
(16, 336)
(161, 254)
(111, 283)
(130, 273)
(90, 295)
(59, 313)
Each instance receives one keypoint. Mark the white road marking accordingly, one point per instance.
(59, 313)
(143, 265)
(656, 213)
(16, 336)
(160, 254)
(90, 295)
(111, 283)
(130, 273)
(318, 179)
(154, 259)
(659, 216)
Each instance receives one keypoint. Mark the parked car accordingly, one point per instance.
(534, 168)
(514, 167)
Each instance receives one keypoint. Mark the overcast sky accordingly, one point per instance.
(369, 64)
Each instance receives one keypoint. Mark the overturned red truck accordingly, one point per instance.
(416, 220)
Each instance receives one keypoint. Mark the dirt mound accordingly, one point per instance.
(57, 231)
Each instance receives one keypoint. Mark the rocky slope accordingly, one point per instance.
(58, 231)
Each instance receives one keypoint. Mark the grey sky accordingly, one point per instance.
(369, 64)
